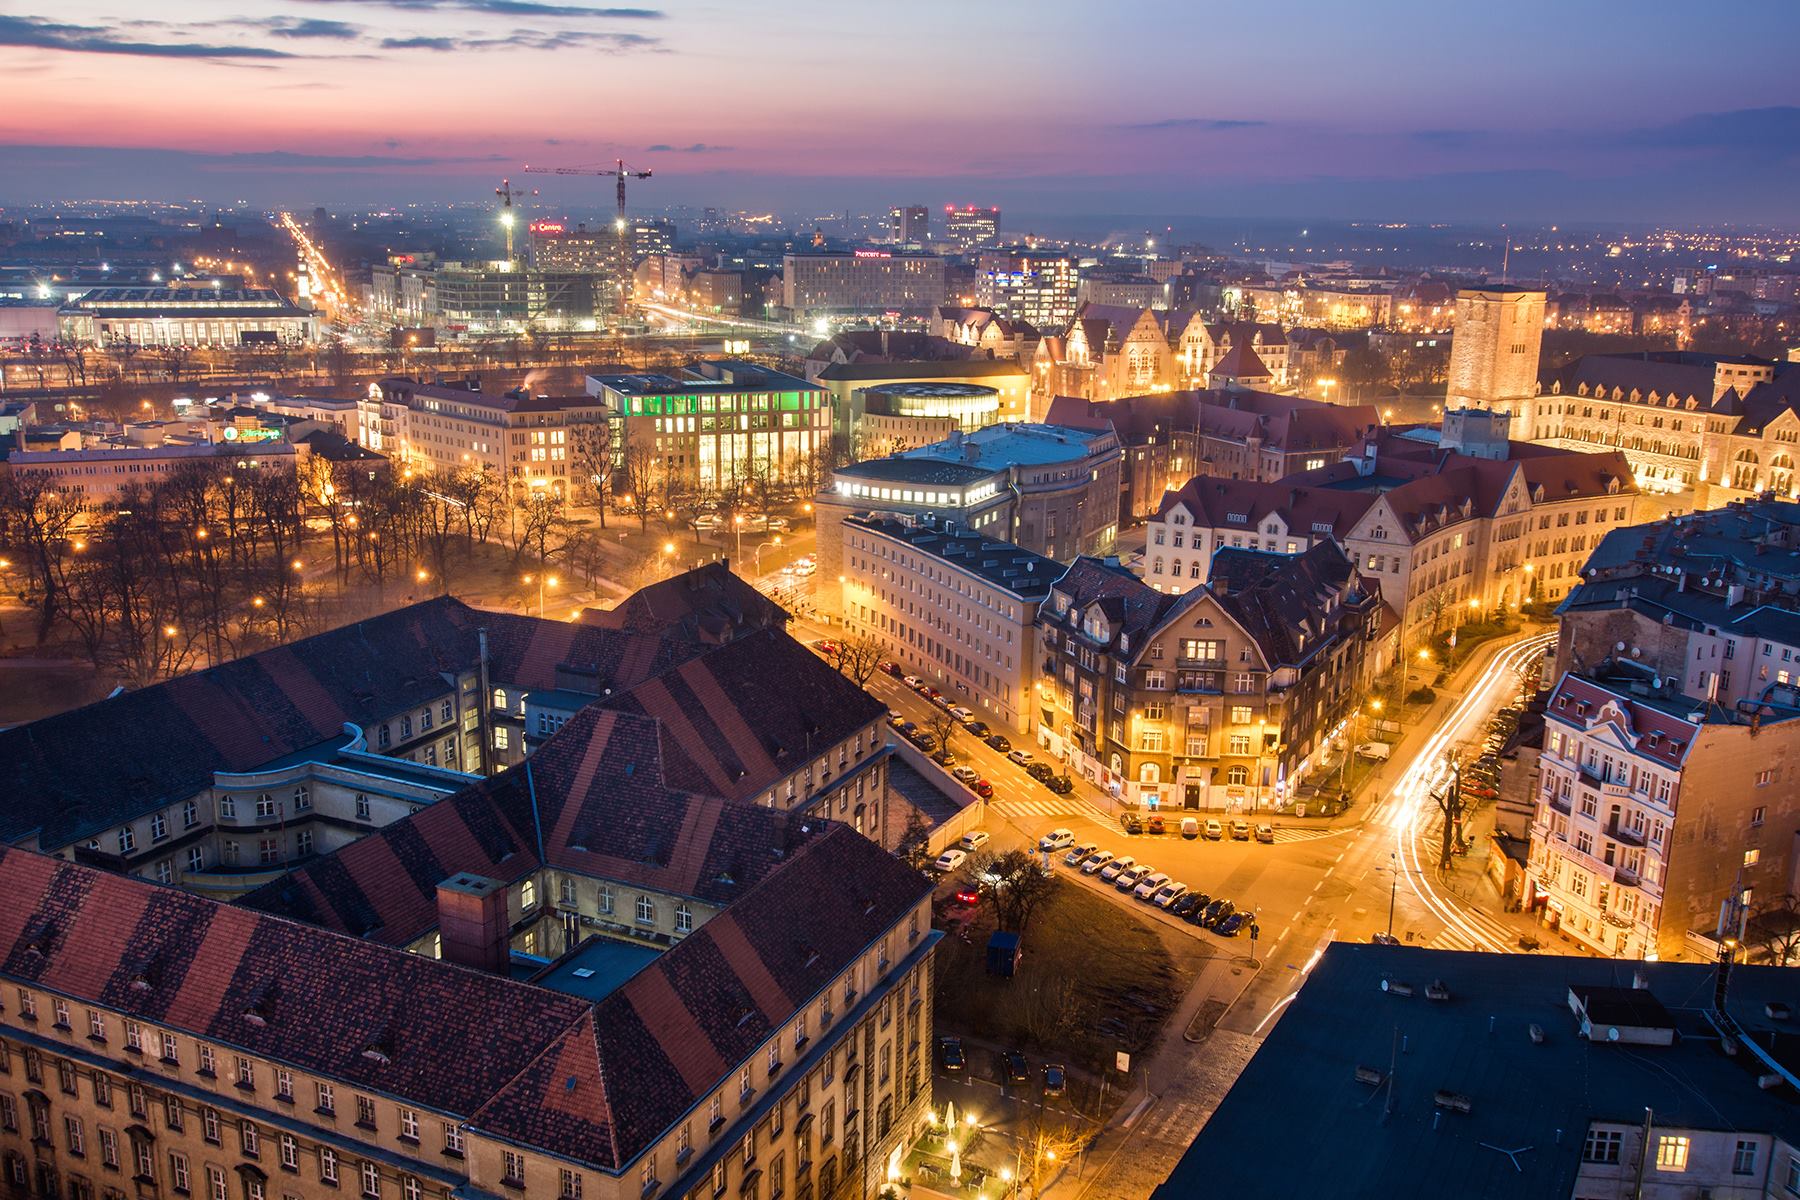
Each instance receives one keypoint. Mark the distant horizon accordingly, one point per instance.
(1535, 112)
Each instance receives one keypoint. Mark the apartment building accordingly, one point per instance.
(862, 281)
(1230, 433)
(950, 606)
(1655, 808)
(1514, 1077)
(1707, 599)
(1451, 528)
(541, 445)
(717, 424)
(1035, 286)
(762, 1026)
(1112, 351)
(1223, 698)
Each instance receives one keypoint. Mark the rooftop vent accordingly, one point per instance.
(1452, 1101)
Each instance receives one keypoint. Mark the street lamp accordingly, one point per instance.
(542, 582)
(757, 553)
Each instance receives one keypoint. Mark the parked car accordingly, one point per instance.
(998, 742)
(1014, 1067)
(895, 719)
(1376, 751)
(1111, 871)
(1217, 911)
(892, 668)
(1214, 830)
(1154, 824)
(983, 788)
(968, 897)
(1131, 876)
(1131, 822)
(1039, 771)
(1385, 939)
(1023, 757)
(1184, 904)
(1057, 839)
(965, 715)
(1056, 1080)
(1265, 833)
(975, 839)
(912, 681)
(1240, 830)
(951, 859)
(1062, 785)
(1077, 853)
(1168, 894)
(1190, 828)
(978, 728)
(1229, 926)
(966, 775)
(1092, 864)
(1197, 914)
(1149, 885)
(950, 1054)
(924, 741)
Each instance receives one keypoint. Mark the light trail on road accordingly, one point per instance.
(1429, 769)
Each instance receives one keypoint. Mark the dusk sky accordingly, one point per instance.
(1572, 110)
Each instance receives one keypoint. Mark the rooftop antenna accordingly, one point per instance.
(1505, 256)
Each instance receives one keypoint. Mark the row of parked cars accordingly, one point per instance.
(1145, 883)
(1014, 1070)
(1154, 824)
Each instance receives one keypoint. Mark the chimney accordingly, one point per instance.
(472, 922)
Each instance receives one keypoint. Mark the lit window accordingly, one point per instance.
(1671, 1153)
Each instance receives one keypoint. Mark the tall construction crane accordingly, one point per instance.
(506, 194)
(621, 173)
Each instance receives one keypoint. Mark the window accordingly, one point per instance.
(248, 1138)
(571, 1183)
(27, 1005)
(684, 919)
(109, 1148)
(327, 1098)
(514, 1169)
(190, 815)
(209, 1124)
(76, 1135)
(646, 911)
(1240, 714)
(328, 1165)
(371, 1176)
(196, 858)
(362, 807)
(265, 805)
(215, 1183)
(1751, 857)
(290, 1152)
(97, 1026)
(715, 1114)
(172, 1114)
(246, 1072)
(365, 1112)
(170, 1046)
(606, 899)
(1743, 1158)
(1671, 1153)
(206, 1060)
(500, 738)
(178, 1170)
(159, 827)
(1791, 1177)
(410, 1189)
(409, 1124)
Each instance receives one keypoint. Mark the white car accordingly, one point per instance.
(911, 681)
(1214, 831)
(1149, 885)
(1168, 894)
(1057, 839)
(1078, 854)
(1092, 864)
(1131, 876)
(966, 776)
(1023, 757)
(961, 713)
(1378, 751)
(1117, 867)
(951, 859)
(975, 839)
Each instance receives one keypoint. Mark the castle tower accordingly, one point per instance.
(1494, 357)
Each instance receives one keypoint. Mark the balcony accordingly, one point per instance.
(1626, 877)
(1558, 802)
(1200, 664)
(1623, 834)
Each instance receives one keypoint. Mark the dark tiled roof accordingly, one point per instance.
(79, 772)
(710, 603)
(351, 1010)
(1530, 1104)
(1289, 604)
(750, 713)
(657, 1046)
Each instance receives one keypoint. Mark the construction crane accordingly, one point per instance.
(621, 173)
(506, 194)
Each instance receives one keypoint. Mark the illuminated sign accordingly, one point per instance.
(872, 254)
(546, 227)
(234, 433)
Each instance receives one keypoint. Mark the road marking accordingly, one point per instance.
(1329, 870)
(1284, 932)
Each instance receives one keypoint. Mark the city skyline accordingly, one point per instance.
(1330, 114)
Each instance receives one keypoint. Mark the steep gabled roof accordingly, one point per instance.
(350, 1010)
(710, 603)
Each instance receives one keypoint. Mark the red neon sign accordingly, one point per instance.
(546, 227)
(872, 254)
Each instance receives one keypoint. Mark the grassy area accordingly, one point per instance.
(1092, 980)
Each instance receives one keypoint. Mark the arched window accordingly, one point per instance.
(1149, 773)
(1238, 776)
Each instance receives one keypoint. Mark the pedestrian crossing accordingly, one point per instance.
(1062, 806)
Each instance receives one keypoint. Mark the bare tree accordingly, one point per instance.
(914, 846)
(39, 521)
(1777, 929)
(1013, 883)
(943, 726)
(858, 656)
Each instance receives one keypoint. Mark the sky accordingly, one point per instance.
(1593, 111)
